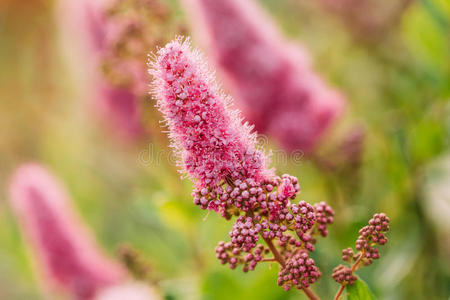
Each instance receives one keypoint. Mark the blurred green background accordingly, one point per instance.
(398, 88)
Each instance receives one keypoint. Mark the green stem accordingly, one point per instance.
(354, 268)
(280, 259)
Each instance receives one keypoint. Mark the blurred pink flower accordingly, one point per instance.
(119, 106)
(272, 79)
(65, 250)
(88, 29)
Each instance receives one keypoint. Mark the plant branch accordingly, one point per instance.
(310, 294)
(354, 268)
(280, 259)
(355, 265)
(269, 259)
(338, 294)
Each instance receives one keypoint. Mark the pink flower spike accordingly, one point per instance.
(65, 250)
(230, 172)
(212, 141)
(270, 78)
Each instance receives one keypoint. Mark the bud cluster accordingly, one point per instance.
(343, 275)
(245, 233)
(325, 216)
(372, 235)
(264, 209)
(229, 197)
(270, 214)
(300, 271)
(348, 255)
(267, 212)
(369, 236)
(233, 255)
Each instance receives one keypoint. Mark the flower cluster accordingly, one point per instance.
(348, 255)
(325, 216)
(300, 272)
(369, 236)
(231, 173)
(114, 37)
(229, 253)
(343, 275)
(245, 233)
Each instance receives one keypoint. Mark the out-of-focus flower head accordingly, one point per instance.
(65, 251)
(85, 28)
(271, 78)
(115, 36)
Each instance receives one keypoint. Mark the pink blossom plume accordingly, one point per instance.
(66, 252)
(209, 135)
(230, 172)
(272, 80)
(85, 24)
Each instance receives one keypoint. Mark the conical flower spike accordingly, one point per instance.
(209, 135)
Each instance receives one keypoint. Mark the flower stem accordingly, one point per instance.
(310, 294)
(269, 259)
(280, 259)
(354, 268)
(338, 294)
(355, 265)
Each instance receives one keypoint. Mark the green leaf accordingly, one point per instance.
(359, 291)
